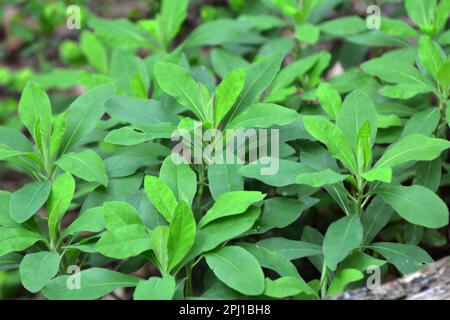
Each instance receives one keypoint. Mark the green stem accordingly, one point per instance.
(359, 196)
(197, 261)
(188, 280)
(323, 281)
(442, 106)
(201, 187)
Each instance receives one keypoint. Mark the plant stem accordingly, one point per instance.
(442, 105)
(188, 280)
(359, 196)
(323, 281)
(201, 186)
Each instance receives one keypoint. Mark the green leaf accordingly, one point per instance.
(123, 165)
(329, 99)
(388, 121)
(271, 260)
(155, 288)
(173, 13)
(342, 279)
(178, 83)
(7, 153)
(423, 122)
(443, 76)
(395, 71)
(316, 156)
(279, 212)
(182, 231)
(447, 113)
(376, 216)
(395, 27)
(160, 236)
(357, 109)
(94, 284)
(90, 220)
(16, 239)
(314, 75)
(291, 249)
(416, 204)
(13, 139)
(407, 258)
(5, 217)
(259, 76)
(361, 262)
(238, 269)
(119, 214)
(83, 115)
(442, 14)
(224, 229)
(412, 234)
(63, 188)
(444, 38)
(363, 147)
(219, 291)
(206, 101)
(231, 203)
(421, 12)
(10, 261)
(224, 178)
(320, 178)
(287, 171)
(86, 165)
(334, 138)
(263, 115)
(119, 190)
(94, 51)
(138, 111)
(34, 107)
(129, 72)
(26, 201)
(414, 147)
(227, 93)
(122, 32)
(37, 269)
(224, 62)
(59, 128)
(179, 177)
(314, 236)
(124, 242)
(341, 238)
(428, 174)
(378, 174)
(133, 135)
(288, 75)
(65, 79)
(161, 196)
(430, 55)
(307, 33)
(212, 33)
(344, 26)
(340, 195)
(286, 287)
(434, 238)
(405, 90)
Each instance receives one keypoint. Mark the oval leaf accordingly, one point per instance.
(238, 269)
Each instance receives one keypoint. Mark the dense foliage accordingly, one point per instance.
(91, 184)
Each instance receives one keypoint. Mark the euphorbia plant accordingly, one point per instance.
(51, 164)
(362, 187)
(360, 131)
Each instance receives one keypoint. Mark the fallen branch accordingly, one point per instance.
(430, 283)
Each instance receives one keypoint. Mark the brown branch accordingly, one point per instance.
(430, 283)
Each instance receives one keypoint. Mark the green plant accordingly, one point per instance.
(105, 197)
